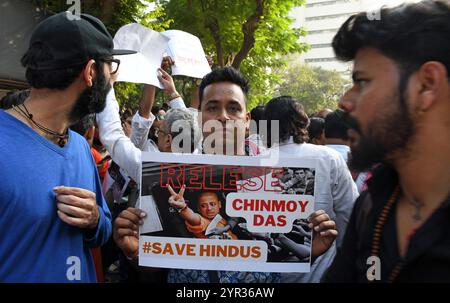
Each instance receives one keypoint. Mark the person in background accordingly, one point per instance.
(335, 192)
(316, 132)
(335, 131)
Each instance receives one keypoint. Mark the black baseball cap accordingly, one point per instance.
(73, 40)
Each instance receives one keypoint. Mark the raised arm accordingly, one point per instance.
(176, 200)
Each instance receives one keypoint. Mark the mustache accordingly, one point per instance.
(351, 122)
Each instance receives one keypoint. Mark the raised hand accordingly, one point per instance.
(167, 63)
(167, 81)
(176, 200)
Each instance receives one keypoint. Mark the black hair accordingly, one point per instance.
(315, 128)
(410, 35)
(165, 107)
(83, 125)
(126, 114)
(14, 99)
(155, 110)
(293, 121)
(53, 79)
(224, 74)
(336, 126)
(257, 114)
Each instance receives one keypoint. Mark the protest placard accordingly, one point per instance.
(228, 213)
(187, 52)
(151, 46)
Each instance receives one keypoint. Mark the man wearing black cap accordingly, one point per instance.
(51, 206)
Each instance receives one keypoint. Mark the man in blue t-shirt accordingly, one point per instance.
(51, 207)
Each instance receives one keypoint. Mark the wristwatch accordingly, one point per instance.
(173, 95)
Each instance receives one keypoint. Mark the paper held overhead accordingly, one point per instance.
(185, 49)
(150, 46)
(187, 52)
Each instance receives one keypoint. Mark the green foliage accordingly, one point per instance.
(220, 25)
(273, 37)
(314, 87)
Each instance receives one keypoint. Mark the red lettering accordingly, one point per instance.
(235, 204)
(303, 205)
(194, 176)
(274, 174)
(291, 206)
(281, 220)
(258, 220)
(208, 183)
(270, 221)
(230, 175)
(171, 174)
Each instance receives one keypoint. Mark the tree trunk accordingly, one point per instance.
(213, 25)
(249, 28)
(107, 12)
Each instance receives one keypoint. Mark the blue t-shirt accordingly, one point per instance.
(35, 245)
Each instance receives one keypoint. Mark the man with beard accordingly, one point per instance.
(51, 207)
(399, 109)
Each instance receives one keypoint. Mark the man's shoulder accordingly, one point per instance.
(321, 151)
(77, 139)
(78, 143)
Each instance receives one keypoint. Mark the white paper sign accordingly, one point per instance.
(151, 47)
(187, 52)
(185, 49)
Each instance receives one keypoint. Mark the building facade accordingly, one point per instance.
(322, 19)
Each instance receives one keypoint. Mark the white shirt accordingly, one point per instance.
(126, 152)
(335, 193)
(343, 150)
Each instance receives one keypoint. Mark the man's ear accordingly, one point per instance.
(168, 141)
(90, 133)
(432, 76)
(89, 73)
(248, 118)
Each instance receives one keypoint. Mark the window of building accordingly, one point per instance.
(321, 45)
(323, 31)
(313, 60)
(323, 3)
(327, 17)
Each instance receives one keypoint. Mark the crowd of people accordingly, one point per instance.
(381, 184)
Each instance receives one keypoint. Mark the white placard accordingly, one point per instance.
(187, 52)
(151, 47)
(258, 212)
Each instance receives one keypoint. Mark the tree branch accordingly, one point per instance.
(107, 10)
(249, 28)
(213, 25)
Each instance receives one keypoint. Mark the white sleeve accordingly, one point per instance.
(119, 146)
(344, 192)
(177, 103)
(140, 128)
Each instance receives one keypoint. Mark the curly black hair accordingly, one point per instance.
(292, 119)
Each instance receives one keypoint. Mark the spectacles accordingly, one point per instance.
(157, 131)
(113, 63)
